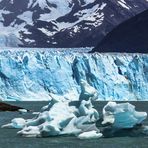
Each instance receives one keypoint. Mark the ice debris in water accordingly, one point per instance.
(23, 111)
(15, 123)
(122, 115)
(91, 134)
(59, 117)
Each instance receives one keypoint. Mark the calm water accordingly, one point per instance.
(9, 139)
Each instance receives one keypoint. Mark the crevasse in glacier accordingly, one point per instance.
(33, 74)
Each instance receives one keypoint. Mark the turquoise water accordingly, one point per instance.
(9, 138)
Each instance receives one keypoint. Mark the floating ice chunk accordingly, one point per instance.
(16, 123)
(122, 115)
(59, 118)
(90, 135)
(36, 113)
(23, 111)
(145, 130)
(49, 123)
(31, 131)
(108, 116)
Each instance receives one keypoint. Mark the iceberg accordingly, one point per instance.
(35, 74)
(15, 123)
(59, 118)
(122, 115)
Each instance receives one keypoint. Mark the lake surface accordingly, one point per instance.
(9, 138)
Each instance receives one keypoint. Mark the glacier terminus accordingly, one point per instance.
(40, 74)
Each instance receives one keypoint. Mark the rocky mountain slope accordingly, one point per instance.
(8, 107)
(62, 23)
(130, 36)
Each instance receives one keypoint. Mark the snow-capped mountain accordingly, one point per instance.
(129, 36)
(63, 23)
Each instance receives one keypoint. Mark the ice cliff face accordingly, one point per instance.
(42, 74)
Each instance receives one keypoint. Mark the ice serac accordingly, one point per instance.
(32, 74)
(122, 115)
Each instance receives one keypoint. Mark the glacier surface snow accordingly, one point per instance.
(9, 40)
(33, 74)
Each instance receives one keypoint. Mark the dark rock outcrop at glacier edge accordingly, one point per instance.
(67, 23)
(8, 107)
(130, 36)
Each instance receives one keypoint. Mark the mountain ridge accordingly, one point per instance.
(67, 23)
(129, 36)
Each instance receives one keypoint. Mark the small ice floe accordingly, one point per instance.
(35, 113)
(31, 131)
(122, 115)
(90, 135)
(145, 130)
(18, 123)
(23, 111)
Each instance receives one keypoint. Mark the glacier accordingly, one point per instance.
(40, 74)
(9, 40)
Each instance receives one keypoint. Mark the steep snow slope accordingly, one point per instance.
(39, 74)
(64, 23)
(130, 36)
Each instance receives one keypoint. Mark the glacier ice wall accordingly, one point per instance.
(38, 74)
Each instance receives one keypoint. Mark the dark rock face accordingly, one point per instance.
(67, 23)
(8, 107)
(130, 36)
